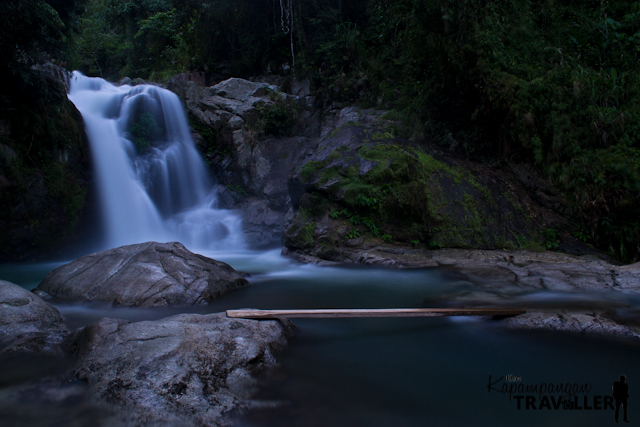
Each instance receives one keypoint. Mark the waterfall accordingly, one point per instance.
(152, 183)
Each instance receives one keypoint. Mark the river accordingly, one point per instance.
(381, 372)
(335, 372)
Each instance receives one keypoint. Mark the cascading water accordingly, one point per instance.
(152, 183)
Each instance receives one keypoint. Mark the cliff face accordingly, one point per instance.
(252, 135)
(325, 180)
(45, 170)
(319, 179)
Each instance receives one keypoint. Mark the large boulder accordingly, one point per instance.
(27, 323)
(363, 184)
(145, 274)
(183, 370)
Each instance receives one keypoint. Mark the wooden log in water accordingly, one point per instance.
(254, 313)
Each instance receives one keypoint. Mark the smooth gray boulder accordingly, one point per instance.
(27, 323)
(146, 274)
(183, 370)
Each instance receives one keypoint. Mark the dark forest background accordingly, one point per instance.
(550, 83)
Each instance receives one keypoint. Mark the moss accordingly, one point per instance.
(328, 174)
(311, 168)
(381, 136)
(307, 232)
(334, 155)
(409, 194)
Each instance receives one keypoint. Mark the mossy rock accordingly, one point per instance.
(366, 180)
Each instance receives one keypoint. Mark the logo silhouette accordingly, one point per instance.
(621, 395)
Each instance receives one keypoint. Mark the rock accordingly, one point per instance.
(541, 191)
(261, 224)
(241, 89)
(501, 274)
(184, 370)
(572, 323)
(364, 182)
(336, 116)
(55, 72)
(301, 88)
(145, 274)
(27, 323)
(237, 120)
(43, 210)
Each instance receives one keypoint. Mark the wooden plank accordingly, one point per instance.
(254, 313)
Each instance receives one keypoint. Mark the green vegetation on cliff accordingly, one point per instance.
(551, 83)
(393, 190)
(554, 84)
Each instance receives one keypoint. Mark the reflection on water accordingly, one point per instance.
(400, 372)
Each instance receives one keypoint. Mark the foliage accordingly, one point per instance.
(35, 30)
(158, 38)
(557, 82)
(277, 118)
(554, 83)
(352, 234)
(212, 140)
(551, 238)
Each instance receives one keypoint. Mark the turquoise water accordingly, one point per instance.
(393, 372)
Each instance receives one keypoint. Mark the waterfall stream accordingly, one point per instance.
(152, 183)
(337, 372)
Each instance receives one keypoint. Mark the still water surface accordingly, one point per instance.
(388, 372)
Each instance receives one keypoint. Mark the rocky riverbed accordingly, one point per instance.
(504, 275)
(188, 369)
(202, 369)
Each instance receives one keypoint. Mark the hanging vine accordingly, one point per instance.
(286, 22)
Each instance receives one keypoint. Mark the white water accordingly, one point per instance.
(162, 194)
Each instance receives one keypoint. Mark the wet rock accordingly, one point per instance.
(261, 224)
(251, 163)
(499, 272)
(573, 323)
(183, 370)
(145, 274)
(27, 323)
